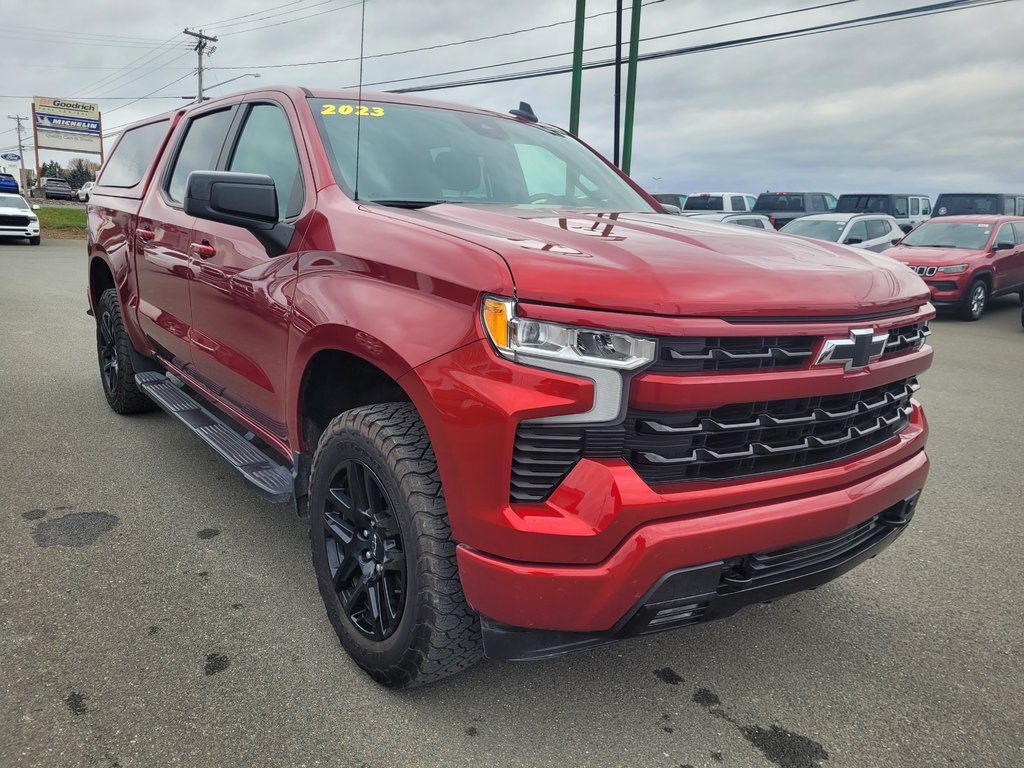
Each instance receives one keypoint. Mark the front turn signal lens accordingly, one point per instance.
(497, 315)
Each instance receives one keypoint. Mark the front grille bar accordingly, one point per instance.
(719, 354)
(767, 420)
(762, 449)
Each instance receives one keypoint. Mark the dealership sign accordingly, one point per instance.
(12, 156)
(67, 124)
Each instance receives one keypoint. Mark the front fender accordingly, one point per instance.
(394, 327)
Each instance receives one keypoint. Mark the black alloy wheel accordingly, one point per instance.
(114, 351)
(365, 551)
(382, 547)
(107, 344)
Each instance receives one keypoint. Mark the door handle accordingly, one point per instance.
(145, 234)
(202, 250)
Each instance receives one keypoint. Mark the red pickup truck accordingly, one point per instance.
(525, 411)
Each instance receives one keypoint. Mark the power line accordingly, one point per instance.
(148, 95)
(252, 13)
(146, 73)
(77, 33)
(914, 12)
(443, 45)
(113, 77)
(222, 25)
(289, 21)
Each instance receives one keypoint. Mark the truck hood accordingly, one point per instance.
(671, 265)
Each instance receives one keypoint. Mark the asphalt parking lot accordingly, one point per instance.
(155, 612)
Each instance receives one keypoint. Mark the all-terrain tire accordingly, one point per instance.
(113, 348)
(436, 634)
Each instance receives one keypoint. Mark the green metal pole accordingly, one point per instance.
(634, 52)
(577, 69)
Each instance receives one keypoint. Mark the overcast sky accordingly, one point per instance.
(928, 104)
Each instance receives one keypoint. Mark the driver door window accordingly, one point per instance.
(266, 146)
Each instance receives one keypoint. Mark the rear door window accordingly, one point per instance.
(915, 206)
(899, 206)
(737, 203)
(1018, 231)
(817, 202)
(1008, 206)
(199, 150)
(877, 228)
(858, 232)
(133, 155)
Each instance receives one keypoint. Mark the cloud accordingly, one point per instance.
(931, 104)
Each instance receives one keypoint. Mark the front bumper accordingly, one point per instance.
(717, 589)
(30, 230)
(598, 598)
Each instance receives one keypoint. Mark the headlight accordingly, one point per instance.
(955, 269)
(598, 355)
(525, 340)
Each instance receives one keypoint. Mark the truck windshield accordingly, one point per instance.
(13, 201)
(949, 234)
(413, 156)
(819, 229)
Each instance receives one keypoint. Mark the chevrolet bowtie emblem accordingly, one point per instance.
(861, 348)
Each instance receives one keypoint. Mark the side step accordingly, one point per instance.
(273, 481)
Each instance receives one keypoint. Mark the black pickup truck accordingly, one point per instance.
(782, 207)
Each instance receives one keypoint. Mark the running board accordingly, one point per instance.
(273, 481)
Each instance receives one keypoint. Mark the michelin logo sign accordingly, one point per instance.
(67, 124)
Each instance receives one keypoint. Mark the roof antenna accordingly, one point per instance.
(359, 98)
(525, 112)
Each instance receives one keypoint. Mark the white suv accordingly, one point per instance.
(871, 231)
(713, 202)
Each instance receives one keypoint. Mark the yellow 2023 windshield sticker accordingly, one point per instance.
(359, 110)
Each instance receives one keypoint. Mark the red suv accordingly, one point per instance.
(525, 411)
(966, 260)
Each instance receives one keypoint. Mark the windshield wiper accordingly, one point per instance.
(411, 204)
(398, 203)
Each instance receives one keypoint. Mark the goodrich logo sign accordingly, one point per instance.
(67, 124)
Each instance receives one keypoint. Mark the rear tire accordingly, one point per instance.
(975, 302)
(383, 552)
(114, 348)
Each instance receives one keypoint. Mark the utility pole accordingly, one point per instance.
(618, 80)
(21, 148)
(202, 41)
(577, 68)
(634, 50)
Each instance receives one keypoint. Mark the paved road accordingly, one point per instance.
(154, 612)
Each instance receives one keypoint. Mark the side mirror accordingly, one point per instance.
(897, 241)
(246, 200)
(1003, 247)
(853, 240)
(673, 209)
